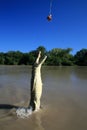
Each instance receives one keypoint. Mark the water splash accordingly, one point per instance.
(23, 112)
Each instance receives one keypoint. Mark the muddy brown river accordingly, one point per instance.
(63, 101)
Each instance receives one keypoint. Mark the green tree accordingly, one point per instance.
(81, 57)
(28, 58)
(59, 56)
(2, 58)
(12, 57)
(42, 49)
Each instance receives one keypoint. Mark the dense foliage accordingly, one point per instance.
(56, 56)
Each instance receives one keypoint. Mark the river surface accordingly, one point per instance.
(63, 101)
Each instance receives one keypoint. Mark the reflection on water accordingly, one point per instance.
(64, 98)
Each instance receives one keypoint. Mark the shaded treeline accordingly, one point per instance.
(56, 57)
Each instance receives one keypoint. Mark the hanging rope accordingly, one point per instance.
(50, 6)
(49, 17)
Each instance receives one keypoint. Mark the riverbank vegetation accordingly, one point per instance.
(56, 57)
